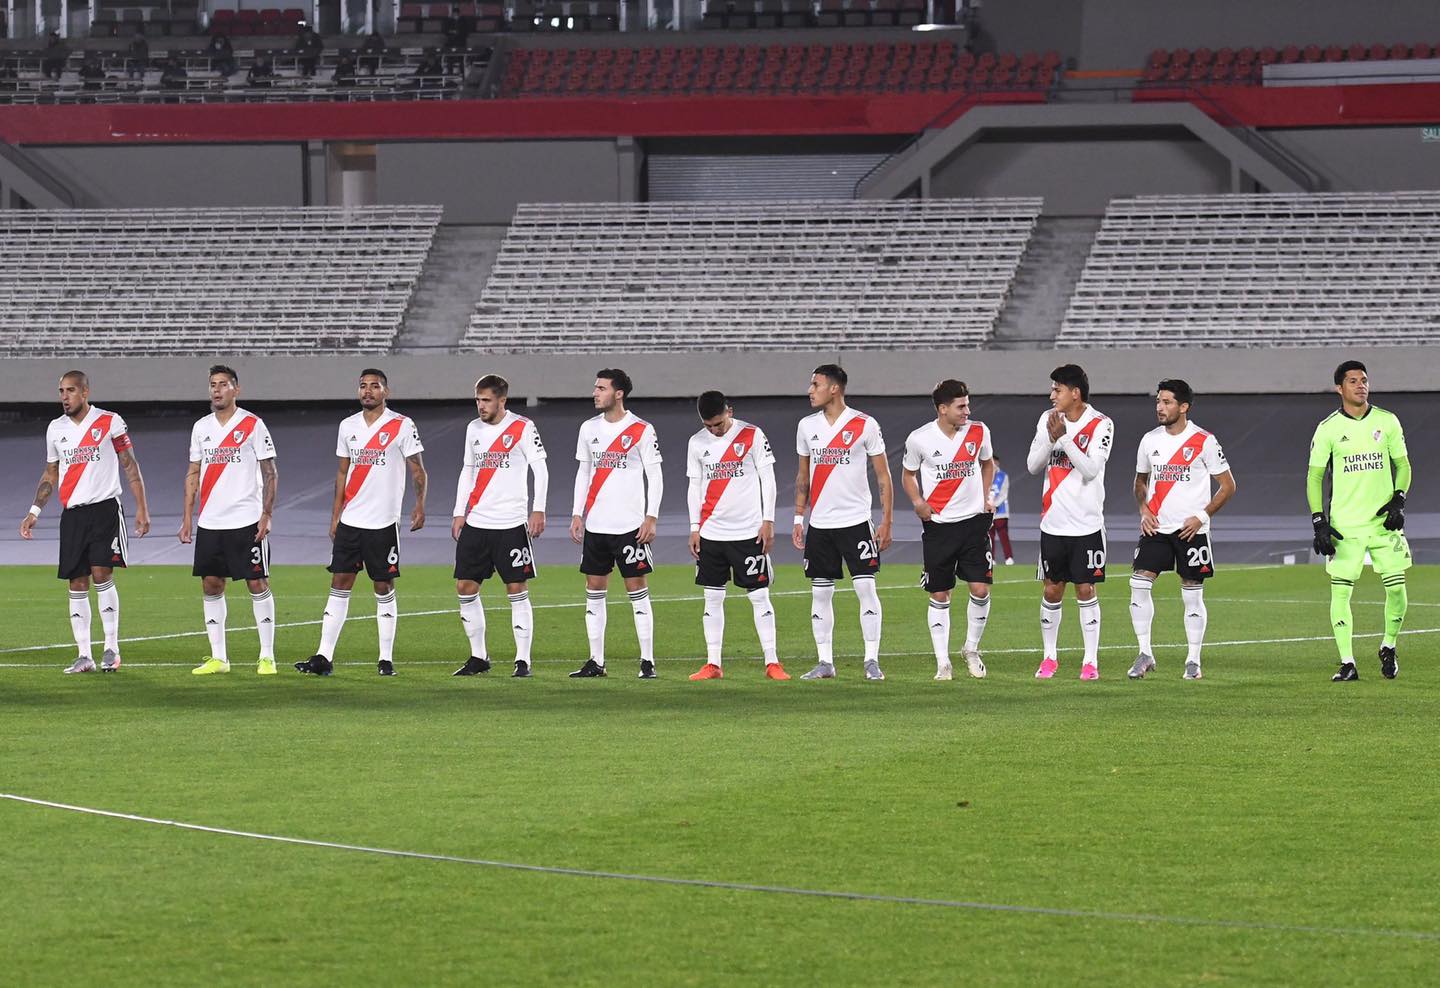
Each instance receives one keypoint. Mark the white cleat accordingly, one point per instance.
(973, 663)
(872, 671)
(82, 664)
(1143, 663)
(110, 661)
(945, 673)
(1192, 670)
(824, 670)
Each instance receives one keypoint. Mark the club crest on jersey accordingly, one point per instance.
(739, 449)
(1377, 434)
(384, 438)
(1188, 453)
(625, 442)
(507, 441)
(239, 435)
(970, 448)
(1082, 440)
(847, 436)
(95, 434)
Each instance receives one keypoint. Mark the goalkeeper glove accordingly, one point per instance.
(1394, 512)
(1325, 536)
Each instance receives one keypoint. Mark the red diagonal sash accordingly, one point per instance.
(716, 487)
(1163, 487)
(1058, 474)
(856, 428)
(944, 491)
(77, 466)
(484, 475)
(214, 470)
(359, 473)
(602, 474)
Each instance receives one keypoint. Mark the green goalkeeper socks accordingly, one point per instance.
(1395, 602)
(1341, 620)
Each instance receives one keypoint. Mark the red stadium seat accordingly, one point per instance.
(1379, 53)
(1202, 56)
(1159, 59)
(1289, 55)
(1311, 53)
(1334, 53)
(1421, 50)
(1399, 52)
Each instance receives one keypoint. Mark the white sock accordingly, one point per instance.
(764, 622)
(713, 622)
(1090, 630)
(1142, 610)
(522, 622)
(80, 620)
(595, 624)
(1050, 615)
(938, 617)
(977, 614)
(644, 623)
(822, 619)
(263, 606)
(387, 618)
(215, 626)
(1195, 618)
(337, 606)
(472, 621)
(109, 600)
(870, 615)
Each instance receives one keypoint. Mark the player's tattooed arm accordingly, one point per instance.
(42, 494)
(802, 498)
(881, 465)
(192, 486)
(131, 466)
(269, 488)
(417, 473)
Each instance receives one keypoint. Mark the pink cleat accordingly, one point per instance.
(1047, 669)
(1089, 671)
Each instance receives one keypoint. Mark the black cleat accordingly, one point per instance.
(522, 670)
(1389, 664)
(1347, 674)
(316, 665)
(590, 670)
(385, 667)
(473, 666)
(647, 669)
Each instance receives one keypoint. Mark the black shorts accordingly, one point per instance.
(231, 553)
(483, 552)
(743, 561)
(91, 535)
(827, 548)
(1073, 558)
(375, 550)
(1191, 560)
(600, 553)
(956, 549)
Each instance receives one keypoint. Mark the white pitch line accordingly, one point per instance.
(702, 883)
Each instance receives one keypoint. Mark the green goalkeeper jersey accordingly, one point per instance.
(1360, 454)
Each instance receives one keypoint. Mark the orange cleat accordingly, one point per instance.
(708, 671)
(774, 670)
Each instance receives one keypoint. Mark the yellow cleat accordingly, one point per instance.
(266, 667)
(210, 666)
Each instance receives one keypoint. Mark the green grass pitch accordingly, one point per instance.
(1275, 828)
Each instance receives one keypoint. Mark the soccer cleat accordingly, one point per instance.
(1089, 671)
(708, 671)
(316, 665)
(774, 670)
(1192, 670)
(1143, 664)
(590, 670)
(82, 663)
(647, 669)
(1009, 561)
(1047, 669)
(385, 667)
(473, 666)
(872, 671)
(945, 673)
(210, 666)
(522, 670)
(1389, 664)
(110, 660)
(266, 666)
(1347, 674)
(823, 670)
(973, 663)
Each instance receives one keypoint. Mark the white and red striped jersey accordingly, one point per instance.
(1073, 502)
(88, 455)
(375, 483)
(732, 504)
(494, 491)
(839, 465)
(1180, 468)
(615, 455)
(229, 456)
(948, 468)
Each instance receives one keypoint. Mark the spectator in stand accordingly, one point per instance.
(92, 73)
(222, 55)
(173, 74)
(344, 72)
(1000, 524)
(260, 73)
(137, 56)
(429, 74)
(9, 76)
(309, 45)
(372, 53)
(457, 38)
(52, 62)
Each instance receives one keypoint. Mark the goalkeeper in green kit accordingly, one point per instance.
(1364, 448)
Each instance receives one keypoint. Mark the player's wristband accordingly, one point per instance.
(799, 519)
(35, 510)
(694, 528)
(1204, 516)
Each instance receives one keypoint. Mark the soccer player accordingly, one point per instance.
(832, 481)
(948, 470)
(732, 525)
(1173, 468)
(1000, 524)
(491, 527)
(374, 447)
(232, 468)
(1364, 447)
(94, 444)
(617, 504)
(1072, 442)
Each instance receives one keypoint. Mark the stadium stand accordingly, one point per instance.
(804, 275)
(1246, 66)
(250, 280)
(1261, 270)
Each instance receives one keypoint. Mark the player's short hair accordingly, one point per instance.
(493, 383)
(80, 378)
(1346, 368)
(618, 379)
(711, 404)
(227, 371)
(947, 391)
(834, 372)
(1178, 388)
(375, 372)
(1072, 376)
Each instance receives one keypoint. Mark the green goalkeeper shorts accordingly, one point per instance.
(1389, 553)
